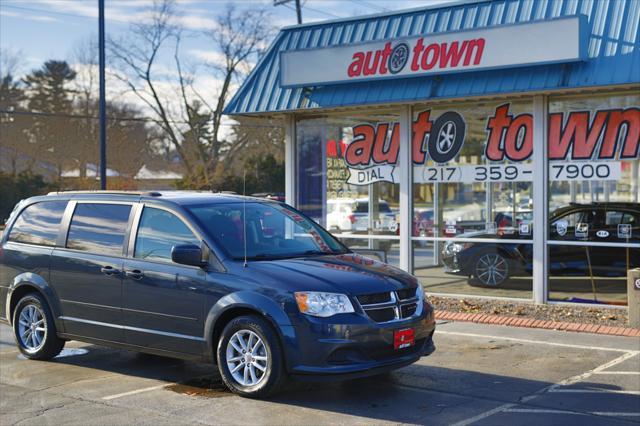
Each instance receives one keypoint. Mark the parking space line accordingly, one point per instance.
(585, 375)
(631, 373)
(550, 388)
(615, 414)
(551, 411)
(594, 391)
(537, 342)
(134, 392)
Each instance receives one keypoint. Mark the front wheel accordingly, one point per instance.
(250, 358)
(491, 269)
(34, 329)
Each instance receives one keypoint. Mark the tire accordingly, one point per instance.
(40, 343)
(251, 381)
(449, 131)
(491, 269)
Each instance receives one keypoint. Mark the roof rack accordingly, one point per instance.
(107, 192)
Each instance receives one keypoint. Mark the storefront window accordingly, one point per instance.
(594, 209)
(348, 178)
(472, 197)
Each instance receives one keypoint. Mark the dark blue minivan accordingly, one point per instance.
(249, 284)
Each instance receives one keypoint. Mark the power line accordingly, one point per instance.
(322, 12)
(370, 5)
(133, 119)
(53, 12)
(304, 6)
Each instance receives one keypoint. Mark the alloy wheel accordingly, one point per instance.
(492, 269)
(32, 328)
(247, 358)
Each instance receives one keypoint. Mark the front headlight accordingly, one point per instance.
(453, 248)
(323, 305)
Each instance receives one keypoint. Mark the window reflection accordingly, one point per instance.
(99, 228)
(39, 223)
(594, 196)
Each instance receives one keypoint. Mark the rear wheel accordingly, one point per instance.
(34, 329)
(491, 269)
(250, 358)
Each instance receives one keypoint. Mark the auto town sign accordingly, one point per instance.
(583, 145)
(542, 42)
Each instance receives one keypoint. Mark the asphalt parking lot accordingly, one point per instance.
(480, 374)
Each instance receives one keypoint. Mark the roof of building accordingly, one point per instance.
(613, 55)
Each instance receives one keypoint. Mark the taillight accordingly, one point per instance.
(352, 218)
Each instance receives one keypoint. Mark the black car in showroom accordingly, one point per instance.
(492, 264)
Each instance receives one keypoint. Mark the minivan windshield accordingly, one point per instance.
(271, 230)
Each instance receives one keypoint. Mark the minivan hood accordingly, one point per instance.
(346, 273)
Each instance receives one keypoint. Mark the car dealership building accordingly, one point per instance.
(491, 148)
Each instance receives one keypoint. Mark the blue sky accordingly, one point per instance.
(42, 29)
(32, 31)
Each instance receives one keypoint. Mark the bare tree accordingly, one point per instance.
(13, 135)
(191, 123)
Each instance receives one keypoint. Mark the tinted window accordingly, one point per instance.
(39, 223)
(363, 207)
(158, 232)
(617, 217)
(99, 228)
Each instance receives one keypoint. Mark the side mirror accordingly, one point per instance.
(187, 254)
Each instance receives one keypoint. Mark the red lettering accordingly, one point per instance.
(496, 126)
(417, 50)
(522, 151)
(371, 63)
(355, 69)
(434, 50)
(583, 147)
(332, 149)
(421, 126)
(386, 52)
(358, 152)
(383, 152)
(629, 118)
(478, 46)
(560, 141)
(452, 55)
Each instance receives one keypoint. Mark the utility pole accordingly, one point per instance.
(298, 7)
(102, 102)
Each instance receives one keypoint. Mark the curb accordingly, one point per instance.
(534, 323)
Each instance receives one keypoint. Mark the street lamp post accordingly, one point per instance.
(103, 103)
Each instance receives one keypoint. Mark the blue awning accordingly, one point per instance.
(613, 51)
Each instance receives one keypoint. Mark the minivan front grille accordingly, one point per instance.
(375, 298)
(407, 293)
(382, 314)
(390, 306)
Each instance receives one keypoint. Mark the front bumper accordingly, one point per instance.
(352, 345)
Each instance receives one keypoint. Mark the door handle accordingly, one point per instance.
(109, 270)
(135, 274)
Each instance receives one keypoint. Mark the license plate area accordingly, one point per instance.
(404, 338)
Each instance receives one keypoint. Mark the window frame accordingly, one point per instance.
(214, 264)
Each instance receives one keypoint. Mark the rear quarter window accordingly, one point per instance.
(39, 223)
